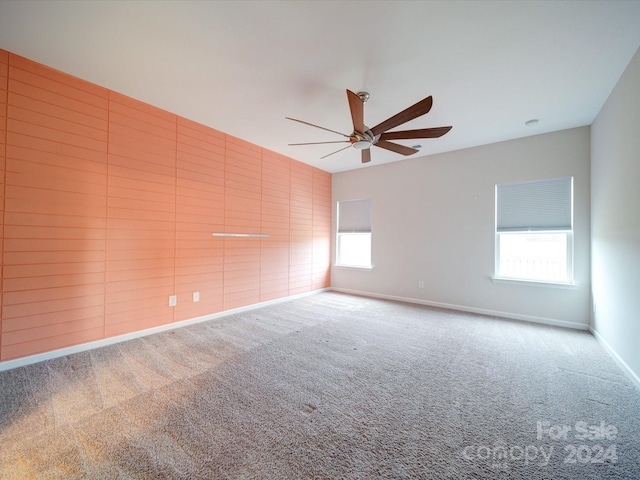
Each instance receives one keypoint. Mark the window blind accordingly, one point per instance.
(537, 205)
(354, 216)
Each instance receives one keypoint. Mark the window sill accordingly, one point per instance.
(352, 267)
(535, 283)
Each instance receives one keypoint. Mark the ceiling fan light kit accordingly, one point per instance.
(362, 144)
(363, 137)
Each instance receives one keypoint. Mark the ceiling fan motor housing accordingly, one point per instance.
(362, 141)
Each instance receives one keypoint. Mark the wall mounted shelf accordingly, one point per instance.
(243, 235)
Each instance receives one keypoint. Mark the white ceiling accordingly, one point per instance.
(242, 66)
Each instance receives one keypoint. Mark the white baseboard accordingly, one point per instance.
(616, 358)
(494, 313)
(40, 357)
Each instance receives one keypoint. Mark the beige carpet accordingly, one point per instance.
(329, 386)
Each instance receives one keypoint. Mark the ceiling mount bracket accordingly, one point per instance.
(364, 96)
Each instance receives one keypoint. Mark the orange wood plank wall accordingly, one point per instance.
(108, 205)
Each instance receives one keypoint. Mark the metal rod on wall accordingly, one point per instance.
(245, 235)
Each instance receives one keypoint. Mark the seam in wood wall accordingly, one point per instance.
(108, 205)
(4, 80)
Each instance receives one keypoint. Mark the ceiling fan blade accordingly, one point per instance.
(366, 155)
(357, 111)
(317, 126)
(414, 111)
(422, 133)
(348, 146)
(317, 143)
(394, 147)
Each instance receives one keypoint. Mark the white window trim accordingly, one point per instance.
(357, 222)
(553, 225)
(534, 283)
(352, 267)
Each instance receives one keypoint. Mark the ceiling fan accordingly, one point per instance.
(364, 137)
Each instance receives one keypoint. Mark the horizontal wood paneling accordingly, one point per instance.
(301, 223)
(242, 214)
(141, 214)
(275, 250)
(55, 219)
(320, 275)
(107, 206)
(199, 212)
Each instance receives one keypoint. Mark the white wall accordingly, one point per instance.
(615, 218)
(433, 220)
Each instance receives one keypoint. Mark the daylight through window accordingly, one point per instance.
(534, 230)
(353, 242)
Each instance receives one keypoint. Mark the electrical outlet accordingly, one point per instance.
(196, 296)
(173, 300)
(420, 283)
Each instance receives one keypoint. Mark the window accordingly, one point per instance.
(353, 242)
(534, 230)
